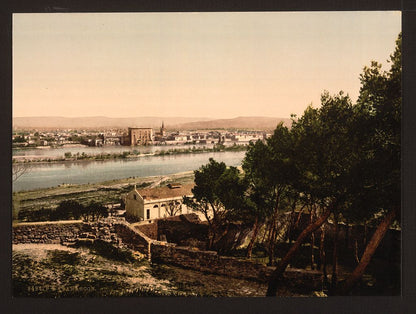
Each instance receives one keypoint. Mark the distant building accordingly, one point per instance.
(161, 135)
(160, 202)
(138, 136)
(163, 130)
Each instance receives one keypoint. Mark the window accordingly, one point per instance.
(148, 214)
(135, 197)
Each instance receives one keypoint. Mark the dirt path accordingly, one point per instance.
(158, 182)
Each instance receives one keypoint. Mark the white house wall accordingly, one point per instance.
(138, 208)
(134, 207)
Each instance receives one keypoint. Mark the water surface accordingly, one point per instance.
(53, 174)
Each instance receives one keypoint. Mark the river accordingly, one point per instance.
(60, 151)
(53, 174)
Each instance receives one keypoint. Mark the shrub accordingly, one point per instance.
(94, 211)
(67, 210)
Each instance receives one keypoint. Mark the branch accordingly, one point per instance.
(19, 169)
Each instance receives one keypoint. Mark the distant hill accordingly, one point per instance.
(255, 123)
(97, 122)
(178, 123)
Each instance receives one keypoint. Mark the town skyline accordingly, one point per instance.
(213, 65)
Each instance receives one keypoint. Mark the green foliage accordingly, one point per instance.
(94, 211)
(378, 119)
(218, 193)
(19, 139)
(269, 173)
(323, 149)
(68, 209)
(41, 214)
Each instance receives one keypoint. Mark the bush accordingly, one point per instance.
(67, 210)
(35, 215)
(94, 211)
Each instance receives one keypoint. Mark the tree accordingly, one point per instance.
(348, 161)
(19, 139)
(69, 209)
(94, 211)
(268, 171)
(216, 195)
(377, 189)
(322, 158)
(173, 208)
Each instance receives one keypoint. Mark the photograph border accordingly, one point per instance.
(400, 304)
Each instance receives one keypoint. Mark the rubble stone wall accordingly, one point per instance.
(156, 251)
(208, 261)
(211, 262)
(46, 232)
(133, 238)
(150, 230)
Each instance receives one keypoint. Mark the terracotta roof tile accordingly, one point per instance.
(165, 192)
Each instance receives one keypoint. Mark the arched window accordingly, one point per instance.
(156, 206)
(135, 197)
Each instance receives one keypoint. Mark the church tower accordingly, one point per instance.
(162, 129)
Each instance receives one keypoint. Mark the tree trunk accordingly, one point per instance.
(299, 216)
(357, 259)
(321, 248)
(264, 235)
(218, 236)
(273, 233)
(347, 235)
(369, 252)
(323, 257)
(335, 253)
(211, 236)
(281, 267)
(365, 234)
(253, 238)
(291, 223)
(271, 245)
(312, 240)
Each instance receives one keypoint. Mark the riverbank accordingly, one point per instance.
(125, 155)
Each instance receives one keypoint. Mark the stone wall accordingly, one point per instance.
(149, 229)
(180, 231)
(211, 262)
(46, 232)
(124, 234)
(175, 229)
(133, 238)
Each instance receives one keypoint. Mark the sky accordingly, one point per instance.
(214, 65)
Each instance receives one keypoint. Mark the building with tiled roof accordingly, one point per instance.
(159, 202)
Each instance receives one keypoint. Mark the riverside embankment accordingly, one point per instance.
(44, 175)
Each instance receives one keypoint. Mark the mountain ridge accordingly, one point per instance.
(186, 123)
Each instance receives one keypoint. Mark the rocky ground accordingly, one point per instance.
(58, 271)
(49, 270)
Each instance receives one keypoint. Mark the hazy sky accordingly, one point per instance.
(192, 64)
